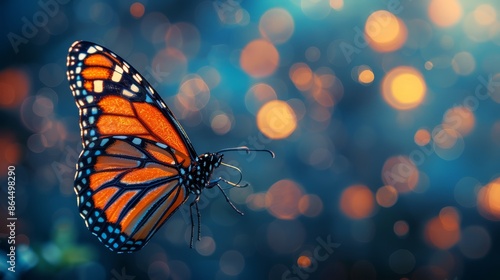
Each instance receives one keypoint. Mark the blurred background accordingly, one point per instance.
(383, 116)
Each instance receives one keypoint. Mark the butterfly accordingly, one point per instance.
(137, 166)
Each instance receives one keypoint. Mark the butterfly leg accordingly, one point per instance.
(229, 201)
(195, 203)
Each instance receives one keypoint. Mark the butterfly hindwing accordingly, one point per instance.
(127, 187)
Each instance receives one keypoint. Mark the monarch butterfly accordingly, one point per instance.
(137, 166)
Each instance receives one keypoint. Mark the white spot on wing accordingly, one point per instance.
(161, 145)
(82, 56)
(91, 50)
(119, 69)
(128, 93)
(116, 77)
(137, 77)
(98, 86)
(134, 88)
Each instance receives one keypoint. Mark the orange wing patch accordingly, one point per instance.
(101, 178)
(161, 213)
(118, 125)
(114, 210)
(116, 105)
(178, 201)
(124, 148)
(159, 154)
(149, 173)
(102, 197)
(109, 162)
(96, 73)
(130, 220)
(88, 85)
(160, 126)
(98, 60)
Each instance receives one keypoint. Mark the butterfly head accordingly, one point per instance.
(209, 161)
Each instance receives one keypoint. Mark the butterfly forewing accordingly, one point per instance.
(114, 99)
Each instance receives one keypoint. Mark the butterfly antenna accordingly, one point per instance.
(245, 149)
(239, 180)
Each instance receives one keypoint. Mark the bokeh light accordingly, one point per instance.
(366, 76)
(445, 13)
(221, 123)
(402, 261)
(357, 202)
(459, 118)
(304, 261)
(443, 232)
(385, 32)
(302, 76)
(137, 9)
(337, 4)
(258, 95)
(276, 25)
(485, 14)
(259, 58)
(194, 93)
(401, 173)
(386, 196)
(488, 200)
(463, 63)
(314, 9)
(276, 119)
(282, 199)
(466, 191)
(184, 37)
(169, 66)
(404, 88)
(401, 228)
(232, 263)
(310, 205)
(14, 86)
(422, 137)
(10, 151)
(475, 242)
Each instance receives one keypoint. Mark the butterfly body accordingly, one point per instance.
(197, 176)
(137, 166)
